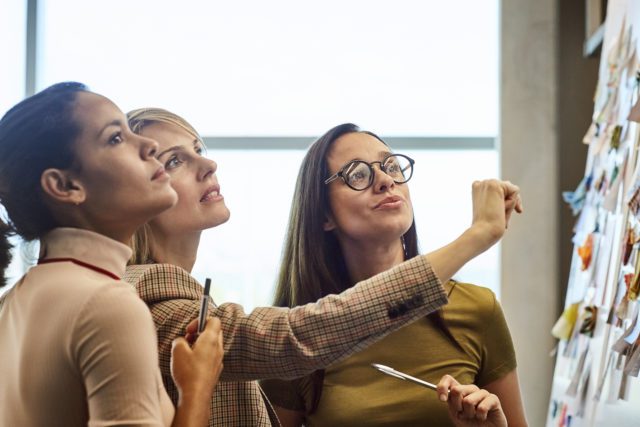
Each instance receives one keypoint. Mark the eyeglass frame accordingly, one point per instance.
(340, 173)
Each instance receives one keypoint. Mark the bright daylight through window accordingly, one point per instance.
(264, 74)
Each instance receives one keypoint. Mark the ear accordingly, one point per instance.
(62, 187)
(329, 224)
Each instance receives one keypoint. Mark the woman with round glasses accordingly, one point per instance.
(275, 342)
(351, 201)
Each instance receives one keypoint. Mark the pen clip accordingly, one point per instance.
(387, 370)
(401, 375)
(204, 305)
(207, 287)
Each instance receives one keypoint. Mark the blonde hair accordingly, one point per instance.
(141, 241)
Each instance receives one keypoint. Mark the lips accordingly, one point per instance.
(160, 172)
(388, 201)
(211, 193)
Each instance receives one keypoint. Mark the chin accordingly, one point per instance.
(169, 198)
(218, 219)
(162, 203)
(395, 230)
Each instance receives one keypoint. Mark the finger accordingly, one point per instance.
(209, 336)
(455, 399)
(180, 349)
(509, 188)
(507, 217)
(510, 205)
(461, 393)
(219, 344)
(488, 404)
(443, 387)
(519, 207)
(191, 338)
(192, 327)
(471, 400)
(213, 325)
(220, 340)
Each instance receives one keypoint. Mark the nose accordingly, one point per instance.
(148, 147)
(381, 181)
(207, 168)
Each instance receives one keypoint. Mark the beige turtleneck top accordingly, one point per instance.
(77, 346)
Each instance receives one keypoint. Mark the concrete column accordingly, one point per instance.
(529, 157)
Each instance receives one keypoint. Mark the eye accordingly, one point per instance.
(116, 139)
(199, 150)
(393, 167)
(173, 162)
(358, 175)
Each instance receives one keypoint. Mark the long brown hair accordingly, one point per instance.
(313, 264)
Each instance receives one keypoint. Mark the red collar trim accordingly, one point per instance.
(80, 263)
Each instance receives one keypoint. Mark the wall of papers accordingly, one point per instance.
(598, 355)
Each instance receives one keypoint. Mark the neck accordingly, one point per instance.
(364, 260)
(120, 234)
(117, 230)
(177, 250)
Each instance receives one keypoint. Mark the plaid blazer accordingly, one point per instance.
(273, 342)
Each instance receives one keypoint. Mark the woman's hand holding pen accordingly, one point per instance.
(203, 356)
(470, 406)
(196, 368)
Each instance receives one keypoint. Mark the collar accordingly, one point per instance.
(86, 246)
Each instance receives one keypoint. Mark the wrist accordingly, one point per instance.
(477, 239)
(192, 393)
(192, 408)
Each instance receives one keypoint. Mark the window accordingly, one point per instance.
(285, 67)
(13, 32)
(260, 80)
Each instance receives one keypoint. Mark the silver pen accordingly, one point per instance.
(401, 375)
(204, 306)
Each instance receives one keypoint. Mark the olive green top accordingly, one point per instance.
(354, 393)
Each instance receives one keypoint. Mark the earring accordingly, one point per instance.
(404, 248)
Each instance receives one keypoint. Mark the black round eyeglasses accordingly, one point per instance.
(359, 175)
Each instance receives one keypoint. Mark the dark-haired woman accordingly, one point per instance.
(78, 346)
(277, 342)
(352, 201)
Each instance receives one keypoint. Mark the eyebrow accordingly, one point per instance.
(168, 150)
(115, 122)
(176, 148)
(381, 155)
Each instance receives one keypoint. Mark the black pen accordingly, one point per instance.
(204, 306)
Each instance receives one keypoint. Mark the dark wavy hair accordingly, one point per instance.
(36, 134)
(313, 264)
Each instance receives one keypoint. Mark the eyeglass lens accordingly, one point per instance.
(359, 174)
